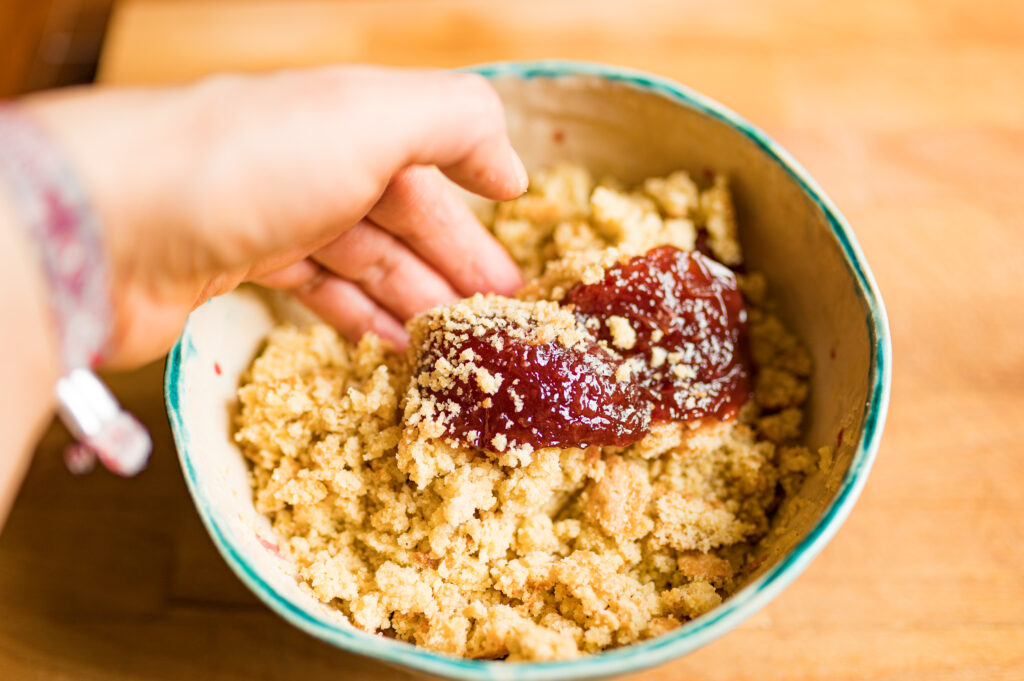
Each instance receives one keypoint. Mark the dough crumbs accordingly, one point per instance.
(502, 551)
(623, 335)
(479, 362)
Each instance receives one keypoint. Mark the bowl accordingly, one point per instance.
(630, 125)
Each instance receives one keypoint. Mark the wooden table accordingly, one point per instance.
(911, 114)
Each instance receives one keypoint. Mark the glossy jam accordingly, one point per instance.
(550, 395)
(693, 304)
(685, 309)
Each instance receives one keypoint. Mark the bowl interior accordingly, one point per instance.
(629, 126)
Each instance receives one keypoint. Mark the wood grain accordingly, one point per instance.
(911, 115)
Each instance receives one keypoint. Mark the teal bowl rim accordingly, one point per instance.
(691, 635)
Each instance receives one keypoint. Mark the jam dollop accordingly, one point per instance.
(510, 389)
(660, 337)
(689, 321)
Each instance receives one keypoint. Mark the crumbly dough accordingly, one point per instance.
(517, 553)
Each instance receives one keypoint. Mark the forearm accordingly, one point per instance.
(28, 354)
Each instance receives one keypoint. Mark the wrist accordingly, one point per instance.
(48, 208)
(28, 352)
(112, 143)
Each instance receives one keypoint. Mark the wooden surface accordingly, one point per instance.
(910, 114)
(49, 43)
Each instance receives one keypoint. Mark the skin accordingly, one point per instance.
(329, 183)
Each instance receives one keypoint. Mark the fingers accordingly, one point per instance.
(290, 277)
(426, 222)
(404, 119)
(340, 303)
(487, 164)
(386, 270)
(422, 209)
(365, 280)
(292, 159)
(346, 146)
(347, 308)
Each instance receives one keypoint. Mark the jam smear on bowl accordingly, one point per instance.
(689, 322)
(549, 395)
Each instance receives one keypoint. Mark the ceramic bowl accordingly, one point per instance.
(629, 125)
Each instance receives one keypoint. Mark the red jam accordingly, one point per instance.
(689, 306)
(549, 396)
(688, 361)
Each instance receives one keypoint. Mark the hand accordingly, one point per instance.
(321, 182)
